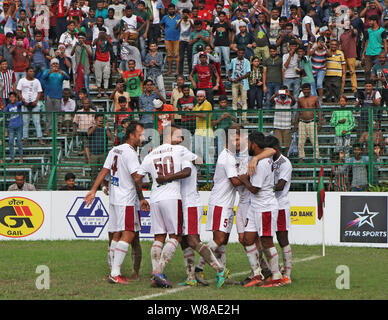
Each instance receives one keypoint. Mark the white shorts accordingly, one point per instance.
(241, 216)
(262, 222)
(166, 217)
(284, 220)
(123, 218)
(192, 220)
(219, 219)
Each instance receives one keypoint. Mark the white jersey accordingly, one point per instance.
(166, 159)
(122, 161)
(223, 193)
(189, 192)
(264, 178)
(283, 171)
(243, 159)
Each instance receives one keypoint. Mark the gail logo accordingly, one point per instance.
(87, 222)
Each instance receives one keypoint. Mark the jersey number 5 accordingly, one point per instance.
(164, 166)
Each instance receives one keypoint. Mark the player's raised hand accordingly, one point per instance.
(144, 205)
(252, 166)
(89, 198)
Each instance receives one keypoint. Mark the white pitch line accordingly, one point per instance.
(170, 291)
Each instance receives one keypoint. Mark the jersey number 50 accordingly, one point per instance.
(164, 166)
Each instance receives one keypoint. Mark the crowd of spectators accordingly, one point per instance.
(279, 55)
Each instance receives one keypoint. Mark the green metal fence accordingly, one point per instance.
(46, 165)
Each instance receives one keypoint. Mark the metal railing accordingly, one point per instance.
(62, 152)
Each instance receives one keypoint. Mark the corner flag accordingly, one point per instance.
(320, 195)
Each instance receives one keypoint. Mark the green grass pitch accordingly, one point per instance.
(77, 269)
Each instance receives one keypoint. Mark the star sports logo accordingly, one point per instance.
(363, 217)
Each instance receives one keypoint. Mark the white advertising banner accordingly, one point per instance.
(351, 219)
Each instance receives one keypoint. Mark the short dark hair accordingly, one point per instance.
(171, 5)
(99, 115)
(20, 173)
(12, 93)
(83, 90)
(276, 9)
(198, 23)
(272, 47)
(3, 60)
(283, 19)
(69, 176)
(146, 81)
(38, 32)
(132, 127)
(272, 142)
(306, 86)
(257, 138)
(122, 99)
(373, 17)
(185, 10)
(222, 13)
(223, 98)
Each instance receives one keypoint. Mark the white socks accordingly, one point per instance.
(111, 252)
(273, 261)
(208, 255)
(156, 251)
(167, 253)
(189, 258)
(253, 258)
(287, 260)
(119, 254)
(213, 247)
(220, 254)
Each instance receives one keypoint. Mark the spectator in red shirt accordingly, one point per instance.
(208, 77)
(204, 14)
(53, 21)
(373, 7)
(20, 58)
(123, 103)
(102, 63)
(74, 11)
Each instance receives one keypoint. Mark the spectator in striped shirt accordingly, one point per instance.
(283, 100)
(335, 73)
(7, 81)
(319, 54)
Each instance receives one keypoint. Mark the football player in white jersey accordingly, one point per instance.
(122, 164)
(220, 214)
(135, 244)
(192, 220)
(243, 158)
(262, 215)
(167, 164)
(283, 172)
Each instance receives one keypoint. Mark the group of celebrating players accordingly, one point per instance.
(251, 165)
